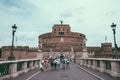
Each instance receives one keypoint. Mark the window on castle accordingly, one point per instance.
(81, 45)
(61, 33)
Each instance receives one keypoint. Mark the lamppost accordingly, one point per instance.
(12, 57)
(115, 55)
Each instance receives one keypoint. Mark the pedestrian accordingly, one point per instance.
(68, 64)
(51, 63)
(58, 63)
(42, 62)
(46, 63)
(64, 63)
(41, 66)
(55, 63)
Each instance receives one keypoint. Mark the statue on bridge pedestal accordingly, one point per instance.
(84, 53)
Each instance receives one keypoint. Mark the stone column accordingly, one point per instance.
(102, 66)
(94, 64)
(77, 61)
(85, 64)
(37, 63)
(89, 64)
(24, 67)
(81, 62)
(85, 53)
(13, 70)
(115, 69)
(31, 64)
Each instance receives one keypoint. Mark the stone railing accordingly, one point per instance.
(109, 66)
(11, 69)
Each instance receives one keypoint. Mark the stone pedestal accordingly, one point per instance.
(102, 66)
(94, 65)
(31, 65)
(24, 67)
(85, 64)
(89, 64)
(37, 63)
(85, 53)
(13, 70)
(115, 69)
(81, 62)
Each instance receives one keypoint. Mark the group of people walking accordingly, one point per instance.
(54, 63)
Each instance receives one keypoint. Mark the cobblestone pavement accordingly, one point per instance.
(25, 76)
(73, 73)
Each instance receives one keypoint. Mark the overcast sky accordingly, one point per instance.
(35, 17)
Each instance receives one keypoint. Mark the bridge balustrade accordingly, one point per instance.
(97, 63)
(11, 69)
(4, 69)
(109, 66)
(19, 66)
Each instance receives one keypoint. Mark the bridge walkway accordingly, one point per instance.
(75, 72)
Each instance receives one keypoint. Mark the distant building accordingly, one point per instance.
(93, 50)
(103, 51)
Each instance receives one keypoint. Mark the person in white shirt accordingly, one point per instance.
(41, 66)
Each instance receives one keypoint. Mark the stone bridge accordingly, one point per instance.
(83, 69)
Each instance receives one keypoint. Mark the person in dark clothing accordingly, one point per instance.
(55, 64)
(51, 63)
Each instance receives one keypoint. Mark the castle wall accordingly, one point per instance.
(31, 55)
(20, 52)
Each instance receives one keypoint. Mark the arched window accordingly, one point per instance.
(61, 33)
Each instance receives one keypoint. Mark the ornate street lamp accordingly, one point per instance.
(12, 57)
(115, 55)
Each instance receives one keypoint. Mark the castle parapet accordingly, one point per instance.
(33, 49)
(20, 48)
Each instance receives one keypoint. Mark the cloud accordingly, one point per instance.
(35, 17)
(110, 13)
(15, 8)
(73, 11)
(11, 3)
(67, 14)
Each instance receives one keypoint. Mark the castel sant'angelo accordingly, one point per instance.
(62, 39)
